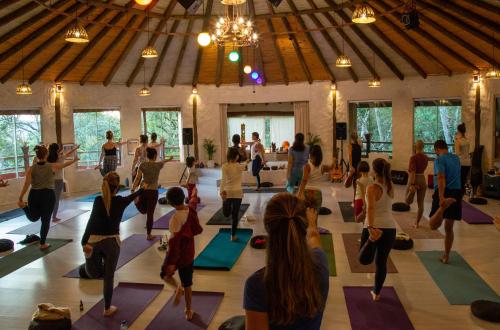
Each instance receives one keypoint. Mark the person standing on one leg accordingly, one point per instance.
(354, 152)
(416, 180)
(447, 197)
(108, 160)
(298, 155)
(257, 156)
(379, 232)
(231, 191)
(41, 198)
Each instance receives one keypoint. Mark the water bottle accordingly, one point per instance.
(124, 325)
(81, 305)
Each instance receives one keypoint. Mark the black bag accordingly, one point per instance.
(478, 201)
(399, 177)
(486, 310)
(62, 324)
(259, 242)
(162, 200)
(400, 207)
(324, 211)
(403, 242)
(234, 323)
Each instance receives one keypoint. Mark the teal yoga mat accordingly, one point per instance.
(460, 284)
(221, 253)
(7, 215)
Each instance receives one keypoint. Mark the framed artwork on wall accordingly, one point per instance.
(132, 144)
(67, 147)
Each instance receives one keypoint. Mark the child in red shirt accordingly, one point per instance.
(183, 226)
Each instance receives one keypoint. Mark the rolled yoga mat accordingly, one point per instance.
(34, 227)
(351, 246)
(130, 248)
(406, 221)
(388, 313)
(7, 215)
(219, 219)
(221, 253)
(327, 244)
(347, 211)
(204, 305)
(163, 222)
(263, 190)
(131, 299)
(460, 284)
(474, 216)
(27, 254)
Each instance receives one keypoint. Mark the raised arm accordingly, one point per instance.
(136, 158)
(101, 157)
(305, 178)
(137, 181)
(169, 159)
(75, 148)
(60, 166)
(313, 238)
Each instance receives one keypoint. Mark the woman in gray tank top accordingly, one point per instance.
(41, 197)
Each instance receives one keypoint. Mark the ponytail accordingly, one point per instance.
(110, 184)
(387, 177)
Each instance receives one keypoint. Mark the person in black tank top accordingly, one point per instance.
(109, 156)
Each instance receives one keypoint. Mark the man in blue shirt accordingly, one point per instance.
(447, 197)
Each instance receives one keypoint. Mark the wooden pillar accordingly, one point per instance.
(58, 118)
(334, 123)
(195, 126)
(477, 117)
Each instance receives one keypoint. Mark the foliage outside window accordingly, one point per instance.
(90, 133)
(436, 119)
(19, 128)
(166, 123)
(374, 118)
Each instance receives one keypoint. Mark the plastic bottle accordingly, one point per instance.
(124, 325)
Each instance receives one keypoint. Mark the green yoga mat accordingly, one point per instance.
(219, 219)
(347, 211)
(327, 244)
(28, 254)
(457, 280)
(221, 253)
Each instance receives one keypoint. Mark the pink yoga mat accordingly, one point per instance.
(164, 221)
(474, 216)
(131, 300)
(204, 305)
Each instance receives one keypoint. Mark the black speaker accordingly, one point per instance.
(191, 5)
(341, 131)
(410, 19)
(187, 136)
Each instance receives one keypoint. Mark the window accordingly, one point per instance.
(436, 119)
(90, 133)
(374, 118)
(166, 123)
(20, 130)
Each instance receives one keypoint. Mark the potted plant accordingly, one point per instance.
(210, 148)
(313, 139)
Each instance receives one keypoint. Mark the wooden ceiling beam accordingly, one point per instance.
(284, 74)
(152, 40)
(260, 60)
(486, 6)
(298, 51)
(6, 19)
(199, 55)
(314, 45)
(221, 51)
(466, 13)
(180, 57)
(163, 53)
(6, 3)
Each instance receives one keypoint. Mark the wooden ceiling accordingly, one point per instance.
(299, 41)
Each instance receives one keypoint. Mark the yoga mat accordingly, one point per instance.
(351, 246)
(90, 198)
(130, 212)
(327, 244)
(270, 190)
(386, 314)
(474, 216)
(347, 211)
(130, 248)
(407, 219)
(221, 253)
(219, 219)
(204, 305)
(7, 215)
(460, 284)
(34, 227)
(164, 221)
(27, 254)
(131, 300)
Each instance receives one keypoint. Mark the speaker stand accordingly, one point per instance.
(183, 175)
(342, 161)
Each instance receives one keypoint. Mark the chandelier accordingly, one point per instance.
(233, 28)
(363, 14)
(343, 61)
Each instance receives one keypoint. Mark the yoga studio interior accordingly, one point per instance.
(250, 164)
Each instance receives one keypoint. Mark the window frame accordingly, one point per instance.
(165, 109)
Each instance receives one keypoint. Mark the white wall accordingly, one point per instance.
(319, 96)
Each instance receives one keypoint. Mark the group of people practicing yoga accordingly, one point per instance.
(290, 292)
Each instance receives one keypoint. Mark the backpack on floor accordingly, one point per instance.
(399, 177)
(403, 242)
(324, 211)
(162, 200)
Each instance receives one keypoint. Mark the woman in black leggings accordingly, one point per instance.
(41, 198)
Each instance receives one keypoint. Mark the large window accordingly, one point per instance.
(436, 119)
(90, 133)
(20, 130)
(497, 129)
(373, 118)
(166, 123)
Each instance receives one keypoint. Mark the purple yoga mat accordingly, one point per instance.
(204, 305)
(474, 216)
(364, 313)
(131, 300)
(130, 248)
(164, 221)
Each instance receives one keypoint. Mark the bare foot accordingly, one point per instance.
(179, 292)
(375, 297)
(110, 311)
(44, 246)
(21, 204)
(150, 237)
(234, 238)
(416, 225)
(189, 314)
(56, 219)
(444, 259)
(375, 234)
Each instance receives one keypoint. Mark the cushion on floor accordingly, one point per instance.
(486, 310)
(234, 323)
(259, 242)
(324, 211)
(6, 245)
(266, 184)
(400, 207)
(162, 200)
(403, 242)
(478, 201)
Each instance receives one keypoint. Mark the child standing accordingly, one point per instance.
(184, 225)
(363, 181)
(192, 178)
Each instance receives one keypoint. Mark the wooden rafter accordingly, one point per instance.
(6, 3)
(260, 60)
(486, 6)
(297, 49)
(6, 19)
(315, 47)
(220, 64)
(178, 63)
(466, 13)
(206, 21)
(163, 53)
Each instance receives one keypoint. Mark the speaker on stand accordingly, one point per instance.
(187, 140)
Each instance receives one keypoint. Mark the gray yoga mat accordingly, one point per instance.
(347, 211)
(131, 299)
(12, 214)
(219, 219)
(34, 227)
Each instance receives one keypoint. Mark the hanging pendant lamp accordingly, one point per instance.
(343, 61)
(143, 2)
(77, 33)
(375, 81)
(144, 91)
(149, 51)
(23, 88)
(493, 72)
(363, 14)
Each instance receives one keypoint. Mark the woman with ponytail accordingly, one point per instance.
(101, 240)
(291, 291)
(379, 232)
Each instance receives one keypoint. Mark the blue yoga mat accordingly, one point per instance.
(457, 280)
(7, 215)
(90, 198)
(221, 253)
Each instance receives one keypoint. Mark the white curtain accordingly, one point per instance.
(301, 113)
(252, 124)
(223, 132)
(282, 129)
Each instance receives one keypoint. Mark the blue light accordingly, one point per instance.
(255, 75)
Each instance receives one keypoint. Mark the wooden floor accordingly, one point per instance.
(42, 281)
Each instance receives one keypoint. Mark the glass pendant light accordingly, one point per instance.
(23, 88)
(149, 51)
(375, 81)
(363, 14)
(77, 33)
(144, 91)
(493, 72)
(343, 61)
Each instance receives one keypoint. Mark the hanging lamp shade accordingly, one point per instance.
(143, 2)
(23, 89)
(363, 14)
(375, 82)
(144, 91)
(204, 39)
(233, 2)
(492, 73)
(77, 34)
(343, 61)
(149, 52)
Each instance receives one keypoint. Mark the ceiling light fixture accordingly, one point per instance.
(234, 56)
(233, 28)
(363, 14)
(343, 61)
(149, 51)
(375, 81)
(493, 72)
(204, 38)
(23, 88)
(77, 33)
(143, 2)
(144, 90)
(247, 69)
